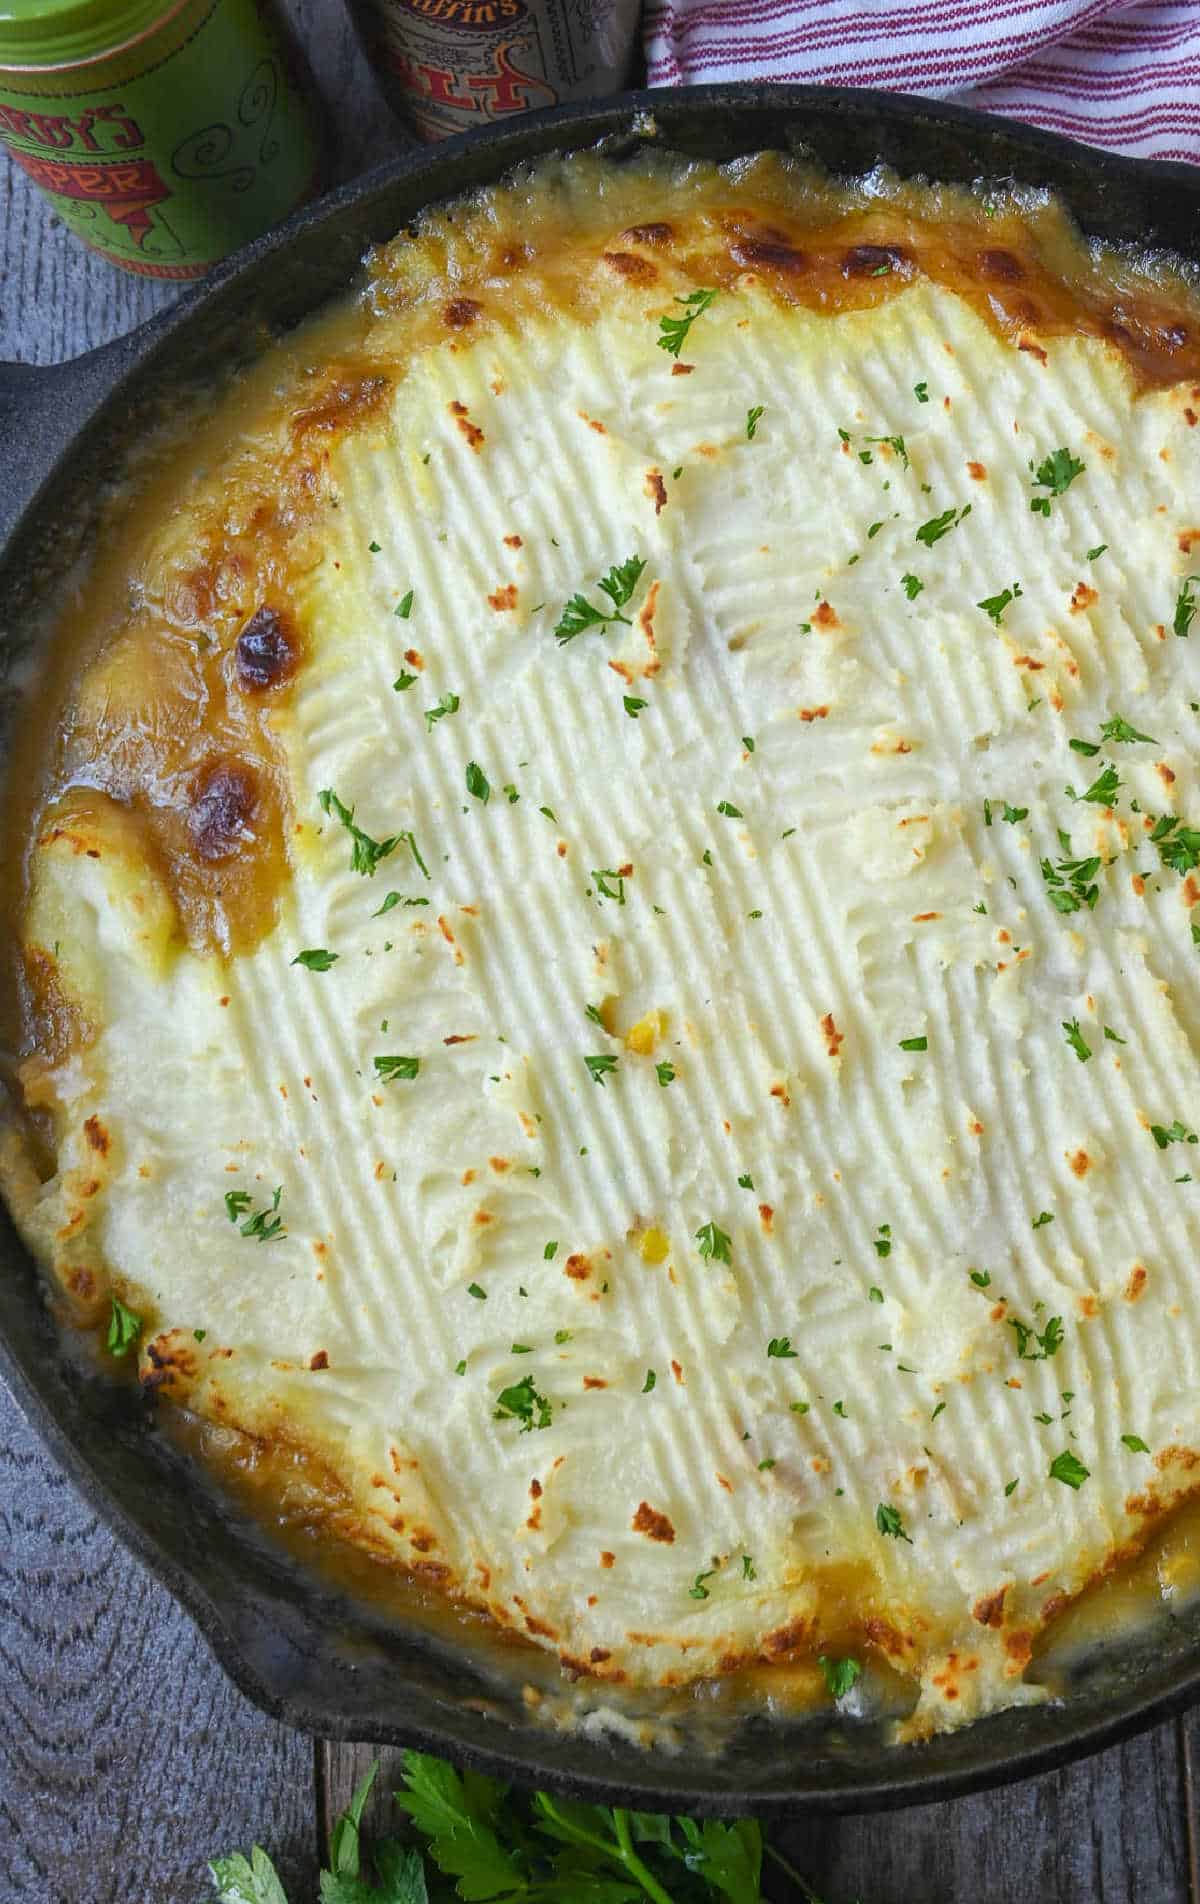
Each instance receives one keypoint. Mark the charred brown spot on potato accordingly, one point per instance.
(1002, 265)
(347, 400)
(868, 261)
(266, 650)
(461, 312)
(634, 270)
(223, 802)
(654, 1525)
(770, 254)
(653, 234)
(97, 1136)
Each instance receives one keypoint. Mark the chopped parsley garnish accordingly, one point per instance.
(650, 1381)
(746, 1181)
(1135, 1444)
(590, 1011)
(520, 1348)
(896, 443)
(1076, 1039)
(633, 705)
(665, 1073)
(1056, 473)
(883, 1241)
(550, 1252)
(839, 1408)
(1178, 846)
(476, 1290)
(748, 743)
(403, 608)
(729, 810)
(921, 392)
(599, 1067)
(1014, 814)
(403, 680)
(914, 1044)
(937, 1411)
(912, 586)
(749, 1570)
(1110, 1034)
(265, 1225)
(1118, 728)
(698, 1590)
(766, 1464)
(1069, 1469)
(1072, 883)
(938, 526)
(752, 420)
(994, 606)
(316, 960)
(1176, 1133)
(1103, 790)
(523, 1402)
(389, 1069)
(619, 585)
(780, 1346)
(393, 899)
(673, 330)
(888, 1520)
(124, 1328)
(874, 1294)
(982, 1278)
(1185, 606)
(447, 705)
(561, 1336)
(1049, 1341)
(1085, 747)
(511, 791)
(374, 547)
(1041, 1220)
(841, 1675)
(1010, 1488)
(477, 782)
(366, 852)
(609, 885)
(714, 1243)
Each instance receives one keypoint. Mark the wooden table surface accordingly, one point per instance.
(126, 1756)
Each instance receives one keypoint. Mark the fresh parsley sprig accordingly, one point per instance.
(673, 330)
(619, 585)
(1056, 473)
(492, 1843)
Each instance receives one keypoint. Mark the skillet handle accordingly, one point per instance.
(41, 411)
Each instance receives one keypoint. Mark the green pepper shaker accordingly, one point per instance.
(164, 136)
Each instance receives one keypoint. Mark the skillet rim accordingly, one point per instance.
(75, 409)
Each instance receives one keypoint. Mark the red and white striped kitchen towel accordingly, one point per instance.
(1126, 77)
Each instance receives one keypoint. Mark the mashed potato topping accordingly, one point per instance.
(611, 949)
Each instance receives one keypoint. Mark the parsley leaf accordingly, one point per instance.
(1040, 1221)
(1118, 728)
(714, 1243)
(1056, 473)
(600, 1067)
(1176, 1133)
(1069, 1469)
(665, 1073)
(994, 605)
(921, 392)
(1135, 1444)
(460, 1816)
(609, 885)
(938, 526)
(912, 586)
(1049, 1342)
(619, 585)
(914, 1044)
(403, 680)
(403, 608)
(650, 1382)
(888, 1520)
(1178, 846)
(318, 959)
(266, 1225)
(673, 330)
(1103, 790)
(523, 1402)
(1185, 606)
(392, 899)
(1076, 1040)
(124, 1328)
(477, 782)
(729, 810)
(840, 1674)
(633, 705)
(389, 1069)
(752, 420)
(447, 705)
(1072, 883)
(366, 852)
(252, 1880)
(780, 1346)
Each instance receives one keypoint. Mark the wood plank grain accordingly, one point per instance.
(126, 1756)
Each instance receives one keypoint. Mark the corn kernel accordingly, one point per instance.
(643, 1036)
(655, 1246)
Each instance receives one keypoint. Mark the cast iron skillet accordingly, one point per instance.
(292, 1644)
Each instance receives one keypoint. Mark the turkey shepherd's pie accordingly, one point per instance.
(608, 940)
